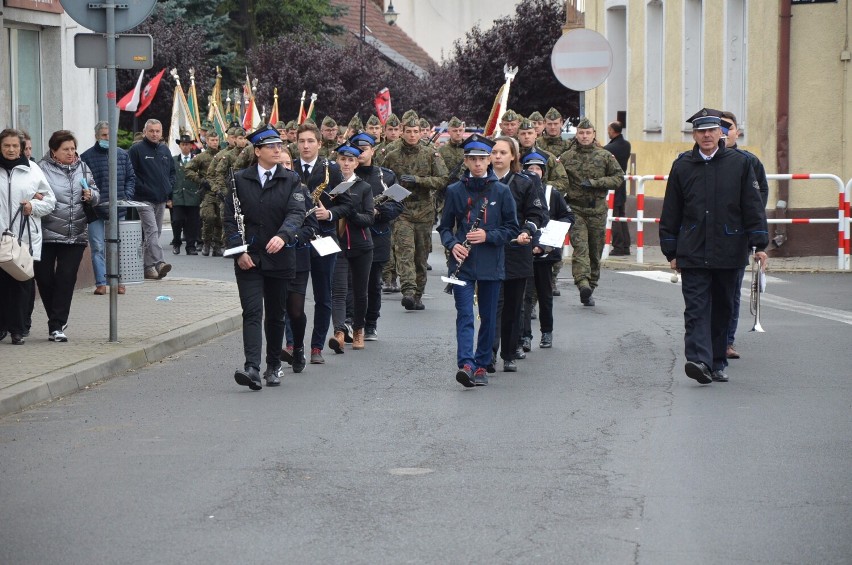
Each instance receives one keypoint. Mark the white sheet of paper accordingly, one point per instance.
(342, 187)
(553, 234)
(397, 192)
(325, 246)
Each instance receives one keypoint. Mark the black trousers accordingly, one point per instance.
(540, 281)
(322, 273)
(708, 296)
(509, 317)
(374, 294)
(56, 276)
(186, 222)
(359, 266)
(620, 231)
(15, 300)
(263, 299)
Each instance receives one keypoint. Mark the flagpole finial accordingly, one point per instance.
(254, 85)
(191, 74)
(218, 72)
(175, 76)
(313, 96)
(275, 92)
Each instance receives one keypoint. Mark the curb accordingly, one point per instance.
(51, 386)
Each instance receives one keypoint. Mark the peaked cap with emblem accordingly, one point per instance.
(510, 116)
(264, 135)
(477, 146)
(355, 123)
(536, 117)
(585, 123)
(705, 118)
(392, 121)
(455, 123)
(328, 122)
(553, 114)
(373, 120)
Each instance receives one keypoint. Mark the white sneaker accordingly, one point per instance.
(58, 336)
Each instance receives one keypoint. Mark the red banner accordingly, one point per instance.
(149, 92)
(383, 105)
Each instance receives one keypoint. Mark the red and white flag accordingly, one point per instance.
(130, 101)
(149, 92)
(496, 110)
(383, 105)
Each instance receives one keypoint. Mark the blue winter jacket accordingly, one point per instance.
(462, 204)
(97, 158)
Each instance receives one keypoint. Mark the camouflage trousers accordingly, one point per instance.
(212, 214)
(587, 238)
(411, 247)
(389, 272)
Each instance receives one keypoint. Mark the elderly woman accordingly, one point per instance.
(22, 188)
(65, 229)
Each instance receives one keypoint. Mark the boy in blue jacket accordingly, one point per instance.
(479, 200)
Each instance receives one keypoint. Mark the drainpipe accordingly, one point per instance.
(782, 151)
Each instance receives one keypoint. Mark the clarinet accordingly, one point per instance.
(467, 245)
(238, 216)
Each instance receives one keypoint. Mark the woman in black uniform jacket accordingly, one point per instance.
(356, 243)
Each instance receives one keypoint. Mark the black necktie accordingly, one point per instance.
(268, 175)
(307, 172)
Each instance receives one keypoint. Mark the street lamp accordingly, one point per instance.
(391, 15)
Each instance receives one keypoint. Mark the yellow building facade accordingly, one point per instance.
(673, 57)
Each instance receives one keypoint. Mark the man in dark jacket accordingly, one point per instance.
(712, 215)
(185, 201)
(97, 158)
(155, 178)
(620, 149)
(272, 206)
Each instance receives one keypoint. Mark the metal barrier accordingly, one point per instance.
(843, 214)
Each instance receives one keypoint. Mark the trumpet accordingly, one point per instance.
(754, 306)
(454, 278)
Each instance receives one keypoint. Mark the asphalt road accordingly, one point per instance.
(599, 450)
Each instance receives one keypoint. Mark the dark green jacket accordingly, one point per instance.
(185, 192)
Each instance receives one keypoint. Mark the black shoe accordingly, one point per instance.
(388, 288)
(287, 355)
(509, 366)
(526, 344)
(480, 378)
(590, 301)
(191, 251)
(205, 250)
(176, 249)
(248, 377)
(546, 340)
(556, 292)
(428, 267)
(519, 353)
(408, 301)
(491, 368)
(585, 295)
(3, 335)
(698, 371)
(619, 253)
(418, 304)
(272, 375)
(17, 339)
(347, 332)
(465, 376)
(217, 252)
(719, 376)
(299, 360)
(370, 334)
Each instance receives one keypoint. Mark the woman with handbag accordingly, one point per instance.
(23, 192)
(65, 229)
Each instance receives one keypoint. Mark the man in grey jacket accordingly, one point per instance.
(155, 178)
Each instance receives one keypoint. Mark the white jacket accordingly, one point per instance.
(22, 184)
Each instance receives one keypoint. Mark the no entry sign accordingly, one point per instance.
(581, 59)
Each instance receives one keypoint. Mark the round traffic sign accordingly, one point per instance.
(581, 59)
(129, 15)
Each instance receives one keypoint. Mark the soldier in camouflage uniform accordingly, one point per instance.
(422, 171)
(425, 132)
(329, 133)
(452, 152)
(219, 177)
(538, 122)
(292, 146)
(509, 123)
(555, 174)
(552, 139)
(593, 171)
(197, 171)
(392, 132)
(355, 126)
(374, 127)
(245, 158)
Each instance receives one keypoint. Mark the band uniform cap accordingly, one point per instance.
(328, 122)
(392, 121)
(526, 125)
(705, 118)
(185, 138)
(553, 114)
(361, 139)
(534, 157)
(536, 117)
(510, 116)
(408, 115)
(585, 123)
(726, 125)
(424, 124)
(264, 135)
(355, 124)
(348, 149)
(455, 123)
(477, 145)
(373, 120)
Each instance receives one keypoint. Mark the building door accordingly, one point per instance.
(25, 80)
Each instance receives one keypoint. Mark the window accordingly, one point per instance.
(654, 63)
(693, 56)
(736, 63)
(616, 82)
(25, 80)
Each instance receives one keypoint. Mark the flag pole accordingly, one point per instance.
(301, 109)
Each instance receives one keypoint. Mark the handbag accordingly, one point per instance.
(15, 259)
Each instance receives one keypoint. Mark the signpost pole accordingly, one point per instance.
(112, 112)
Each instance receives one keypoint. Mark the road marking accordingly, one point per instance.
(410, 471)
(766, 299)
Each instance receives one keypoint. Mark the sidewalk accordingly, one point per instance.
(151, 330)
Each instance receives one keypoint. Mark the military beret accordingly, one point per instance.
(392, 121)
(373, 121)
(425, 124)
(553, 114)
(536, 116)
(510, 116)
(355, 123)
(410, 114)
(455, 123)
(328, 122)
(585, 123)
(526, 124)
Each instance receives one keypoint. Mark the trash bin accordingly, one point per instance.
(131, 265)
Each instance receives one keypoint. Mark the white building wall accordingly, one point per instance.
(436, 24)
